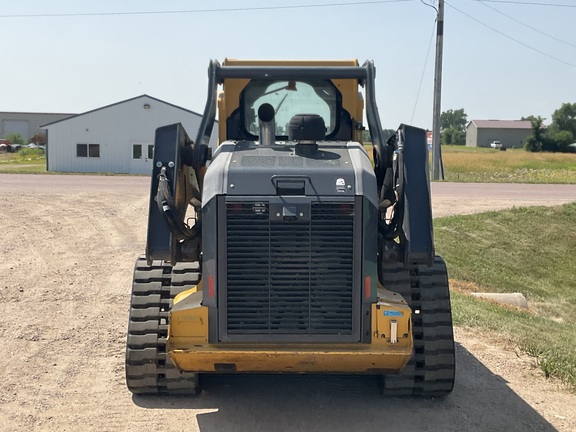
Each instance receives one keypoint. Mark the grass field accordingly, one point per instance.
(26, 161)
(461, 164)
(528, 250)
(465, 164)
(486, 165)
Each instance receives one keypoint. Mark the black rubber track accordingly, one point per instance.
(148, 369)
(430, 372)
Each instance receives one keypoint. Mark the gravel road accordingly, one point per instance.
(68, 246)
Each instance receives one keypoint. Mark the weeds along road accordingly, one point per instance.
(68, 246)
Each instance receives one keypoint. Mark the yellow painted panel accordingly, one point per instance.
(189, 349)
(294, 360)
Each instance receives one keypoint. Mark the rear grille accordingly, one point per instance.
(290, 278)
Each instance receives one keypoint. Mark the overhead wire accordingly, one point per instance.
(192, 11)
(425, 60)
(423, 69)
(510, 37)
(262, 8)
(483, 3)
(429, 5)
(525, 3)
(322, 5)
(349, 3)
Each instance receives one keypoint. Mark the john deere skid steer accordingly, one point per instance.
(287, 250)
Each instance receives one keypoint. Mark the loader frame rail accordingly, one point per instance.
(217, 73)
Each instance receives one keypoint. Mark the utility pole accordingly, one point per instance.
(437, 92)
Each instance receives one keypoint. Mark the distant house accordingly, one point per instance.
(511, 133)
(117, 138)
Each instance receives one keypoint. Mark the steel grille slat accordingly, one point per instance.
(289, 278)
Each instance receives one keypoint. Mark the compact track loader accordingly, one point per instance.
(286, 250)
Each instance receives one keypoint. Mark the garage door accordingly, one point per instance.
(16, 127)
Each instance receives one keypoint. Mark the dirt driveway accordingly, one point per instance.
(68, 245)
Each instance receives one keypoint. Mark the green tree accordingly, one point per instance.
(454, 118)
(564, 119)
(15, 138)
(549, 144)
(386, 132)
(366, 136)
(537, 126)
(532, 144)
(535, 142)
(459, 137)
(453, 126)
(558, 135)
(453, 136)
(446, 136)
(563, 138)
(529, 118)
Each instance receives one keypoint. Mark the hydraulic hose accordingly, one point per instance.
(179, 229)
(392, 229)
(399, 183)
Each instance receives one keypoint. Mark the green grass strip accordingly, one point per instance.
(529, 250)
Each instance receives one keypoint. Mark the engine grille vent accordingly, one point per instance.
(290, 278)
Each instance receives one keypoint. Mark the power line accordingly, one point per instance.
(483, 3)
(430, 5)
(423, 71)
(524, 3)
(193, 11)
(260, 8)
(511, 38)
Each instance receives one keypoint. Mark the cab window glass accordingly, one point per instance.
(290, 98)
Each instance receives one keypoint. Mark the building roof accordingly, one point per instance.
(118, 103)
(34, 113)
(502, 124)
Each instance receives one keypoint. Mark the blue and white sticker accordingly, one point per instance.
(393, 313)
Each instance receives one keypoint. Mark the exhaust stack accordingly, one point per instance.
(267, 124)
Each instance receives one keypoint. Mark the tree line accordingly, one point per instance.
(555, 137)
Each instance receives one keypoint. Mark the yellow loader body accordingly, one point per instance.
(389, 350)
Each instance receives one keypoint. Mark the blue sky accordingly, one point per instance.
(78, 63)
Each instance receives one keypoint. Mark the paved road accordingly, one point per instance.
(465, 198)
(447, 198)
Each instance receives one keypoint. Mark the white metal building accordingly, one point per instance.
(117, 138)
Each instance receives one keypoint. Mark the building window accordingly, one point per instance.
(88, 150)
(94, 150)
(81, 150)
(136, 151)
(140, 151)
